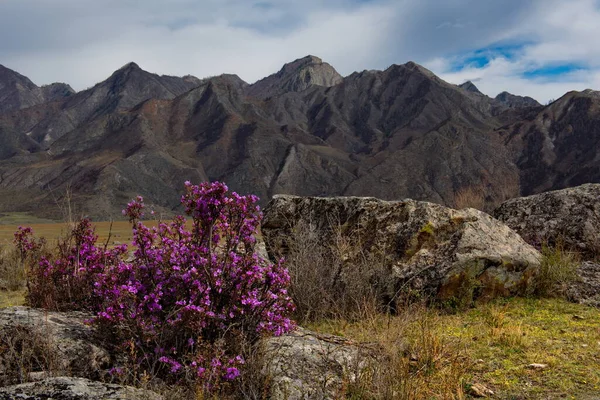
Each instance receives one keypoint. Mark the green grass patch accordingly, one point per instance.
(499, 341)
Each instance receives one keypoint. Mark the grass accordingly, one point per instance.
(496, 342)
(9, 298)
(120, 231)
(429, 354)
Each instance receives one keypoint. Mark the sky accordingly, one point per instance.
(537, 48)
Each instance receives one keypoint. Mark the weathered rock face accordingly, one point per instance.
(570, 216)
(586, 289)
(67, 388)
(513, 101)
(296, 76)
(69, 346)
(423, 246)
(307, 365)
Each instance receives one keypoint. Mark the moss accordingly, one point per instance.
(425, 235)
(460, 290)
(428, 228)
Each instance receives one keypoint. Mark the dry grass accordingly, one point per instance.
(332, 281)
(12, 271)
(491, 344)
(558, 268)
(120, 231)
(416, 361)
(470, 197)
(25, 353)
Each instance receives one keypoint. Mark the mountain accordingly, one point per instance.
(401, 132)
(296, 77)
(470, 87)
(512, 101)
(558, 147)
(35, 128)
(18, 92)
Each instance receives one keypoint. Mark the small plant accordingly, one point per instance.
(558, 268)
(334, 281)
(464, 289)
(187, 302)
(25, 351)
(470, 197)
(12, 271)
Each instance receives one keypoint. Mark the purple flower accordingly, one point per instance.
(180, 284)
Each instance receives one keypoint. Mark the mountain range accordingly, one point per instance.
(305, 130)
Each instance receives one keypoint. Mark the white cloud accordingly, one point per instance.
(559, 32)
(82, 41)
(347, 38)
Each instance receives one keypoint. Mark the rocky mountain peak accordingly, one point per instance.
(296, 76)
(300, 63)
(130, 66)
(19, 92)
(469, 87)
(514, 101)
(592, 92)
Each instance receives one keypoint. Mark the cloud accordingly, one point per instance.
(540, 48)
(554, 52)
(82, 45)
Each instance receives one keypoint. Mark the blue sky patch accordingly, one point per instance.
(553, 72)
(481, 57)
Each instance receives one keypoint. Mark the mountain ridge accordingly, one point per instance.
(401, 132)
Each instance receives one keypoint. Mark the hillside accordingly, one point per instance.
(305, 130)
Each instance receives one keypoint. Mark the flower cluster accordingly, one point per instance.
(64, 280)
(186, 299)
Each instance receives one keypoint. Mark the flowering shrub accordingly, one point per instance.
(186, 299)
(65, 280)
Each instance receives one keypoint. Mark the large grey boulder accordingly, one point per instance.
(420, 246)
(56, 343)
(306, 365)
(570, 216)
(68, 388)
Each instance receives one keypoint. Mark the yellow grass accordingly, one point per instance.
(12, 298)
(120, 231)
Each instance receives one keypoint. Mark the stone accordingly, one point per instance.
(306, 365)
(537, 366)
(570, 217)
(418, 246)
(585, 289)
(68, 388)
(70, 345)
(479, 390)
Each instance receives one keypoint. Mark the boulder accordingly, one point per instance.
(306, 365)
(299, 364)
(585, 289)
(568, 216)
(68, 388)
(419, 247)
(60, 343)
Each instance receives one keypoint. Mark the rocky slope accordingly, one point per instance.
(18, 92)
(296, 76)
(558, 146)
(305, 130)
